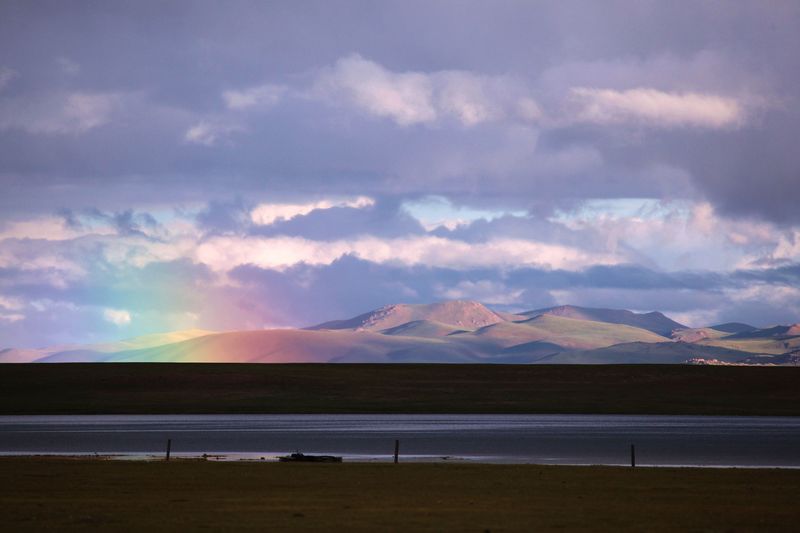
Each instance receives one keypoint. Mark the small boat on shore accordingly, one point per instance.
(303, 458)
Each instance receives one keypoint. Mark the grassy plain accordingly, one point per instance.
(396, 388)
(63, 494)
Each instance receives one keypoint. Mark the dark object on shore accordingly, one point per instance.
(302, 458)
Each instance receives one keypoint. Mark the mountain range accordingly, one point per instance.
(456, 332)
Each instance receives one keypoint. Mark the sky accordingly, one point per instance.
(239, 165)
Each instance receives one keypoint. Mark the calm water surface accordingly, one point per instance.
(545, 439)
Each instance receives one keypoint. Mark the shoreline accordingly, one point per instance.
(272, 458)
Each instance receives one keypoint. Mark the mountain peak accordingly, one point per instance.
(462, 314)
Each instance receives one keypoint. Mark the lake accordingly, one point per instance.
(543, 439)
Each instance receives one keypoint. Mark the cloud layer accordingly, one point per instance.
(259, 166)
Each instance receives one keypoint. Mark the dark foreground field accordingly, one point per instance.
(85, 495)
(345, 388)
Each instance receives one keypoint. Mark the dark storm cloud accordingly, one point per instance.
(784, 275)
(224, 216)
(154, 71)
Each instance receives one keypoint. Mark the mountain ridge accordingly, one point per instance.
(654, 321)
(459, 313)
(459, 331)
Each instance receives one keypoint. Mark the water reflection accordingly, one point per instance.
(556, 439)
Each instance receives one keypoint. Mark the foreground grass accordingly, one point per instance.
(81, 495)
(396, 388)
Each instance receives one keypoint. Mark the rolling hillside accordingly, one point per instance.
(92, 352)
(422, 328)
(646, 353)
(654, 321)
(459, 314)
(455, 332)
(774, 340)
(569, 333)
(299, 346)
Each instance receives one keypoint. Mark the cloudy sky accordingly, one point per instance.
(232, 165)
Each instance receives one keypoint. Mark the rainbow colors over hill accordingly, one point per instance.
(454, 332)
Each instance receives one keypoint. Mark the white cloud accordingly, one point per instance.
(779, 297)
(655, 108)
(788, 248)
(490, 292)
(265, 214)
(437, 211)
(676, 235)
(86, 111)
(9, 309)
(6, 75)
(11, 317)
(696, 318)
(40, 263)
(464, 96)
(262, 96)
(407, 98)
(68, 66)
(51, 228)
(70, 113)
(225, 253)
(411, 98)
(784, 247)
(209, 133)
(119, 317)
(46, 304)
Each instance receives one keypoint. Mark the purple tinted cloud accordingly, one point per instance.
(137, 143)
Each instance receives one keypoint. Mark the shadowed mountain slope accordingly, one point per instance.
(775, 340)
(570, 333)
(646, 353)
(422, 328)
(734, 327)
(773, 332)
(654, 321)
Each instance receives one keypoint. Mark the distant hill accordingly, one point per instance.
(92, 352)
(460, 314)
(775, 340)
(422, 328)
(300, 346)
(530, 351)
(17, 355)
(569, 333)
(654, 321)
(734, 327)
(773, 332)
(696, 334)
(646, 353)
(455, 332)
